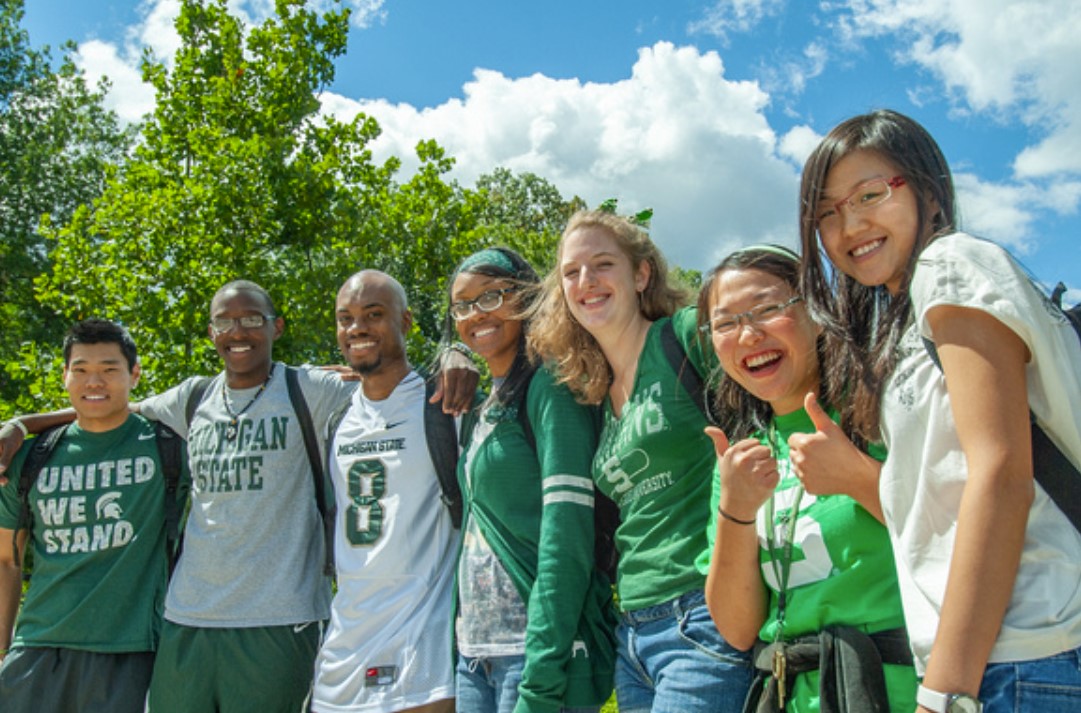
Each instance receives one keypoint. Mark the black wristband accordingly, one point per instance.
(736, 520)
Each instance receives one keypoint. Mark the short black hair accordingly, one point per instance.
(251, 288)
(100, 331)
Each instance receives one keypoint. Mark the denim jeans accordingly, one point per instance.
(490, 685)
(671, 659)
(1048, 685)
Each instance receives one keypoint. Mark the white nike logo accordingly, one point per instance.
(146, 436)
(297, 628)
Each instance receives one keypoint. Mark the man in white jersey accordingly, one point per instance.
(388, 647)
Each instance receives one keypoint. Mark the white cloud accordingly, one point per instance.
(129, 97)
(676, 136)
(1006, 57)
(367, 12)
(798, 143)
(1006, 212)
(363, 13)
(726, 17)
(156, 31)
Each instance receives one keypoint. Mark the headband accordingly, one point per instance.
(488, 256)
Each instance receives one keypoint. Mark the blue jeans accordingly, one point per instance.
(490, 685)
(671, 659)
(1048, 685)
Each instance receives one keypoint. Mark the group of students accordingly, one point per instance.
(850, 523)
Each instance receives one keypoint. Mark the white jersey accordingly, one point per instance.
(388, 646)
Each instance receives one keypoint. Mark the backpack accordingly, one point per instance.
(169, 453)
(311, 445)
(443, 439)
(1050, 466)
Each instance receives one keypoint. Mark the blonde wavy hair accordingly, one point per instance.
(557, 338)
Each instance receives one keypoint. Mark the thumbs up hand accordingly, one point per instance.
(748, 474)
(828, 463)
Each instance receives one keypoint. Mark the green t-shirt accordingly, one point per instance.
(842, 570)
(100, 565)
(656, 462)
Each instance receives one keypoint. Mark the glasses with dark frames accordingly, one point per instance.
(488, 301)
(725, 324)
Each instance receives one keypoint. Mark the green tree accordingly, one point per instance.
(236, 176)
(57, 146)
(524, 212)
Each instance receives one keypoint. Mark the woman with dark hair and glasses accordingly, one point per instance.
(535, 620)
(802, 567)
(989, 567)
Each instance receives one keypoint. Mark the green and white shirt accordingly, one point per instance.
(100, 565)
(656, 463)
(842, 570)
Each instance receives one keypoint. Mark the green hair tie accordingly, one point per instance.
(488, 256)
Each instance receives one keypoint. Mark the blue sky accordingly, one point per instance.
(701, 110)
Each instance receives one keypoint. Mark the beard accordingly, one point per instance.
(369, 367)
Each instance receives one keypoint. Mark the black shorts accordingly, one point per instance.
(52, 680)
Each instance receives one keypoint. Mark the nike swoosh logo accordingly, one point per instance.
(393, 425)
(146, 436)
(297, 628)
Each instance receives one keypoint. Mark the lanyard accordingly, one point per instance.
(781, 572)
(782, 569)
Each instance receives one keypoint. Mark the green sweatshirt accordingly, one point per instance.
(535, 509)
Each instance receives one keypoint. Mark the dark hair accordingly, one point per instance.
(247, 286)
(740, 412)
(506, 264)
(863, 324)
(100, 331)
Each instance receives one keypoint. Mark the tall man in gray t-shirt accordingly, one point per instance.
(244, 608)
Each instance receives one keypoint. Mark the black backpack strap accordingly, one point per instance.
(170, 453)
(195, 397)
(1050, 467)
(442, 437)
(41, 449)
(692, 381)
(311, 445)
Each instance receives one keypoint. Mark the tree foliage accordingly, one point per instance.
(58, 144)
(525, 212)
(237, 175)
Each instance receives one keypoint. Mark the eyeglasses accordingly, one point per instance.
(488, 301)
(725, 324)
(865, 196)
(221, 325)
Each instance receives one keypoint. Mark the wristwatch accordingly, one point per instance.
(947, 702)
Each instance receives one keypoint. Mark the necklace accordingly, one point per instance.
(231, 430)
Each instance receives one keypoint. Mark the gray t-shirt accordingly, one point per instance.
(253, 546)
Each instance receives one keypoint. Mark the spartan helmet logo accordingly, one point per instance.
(108, 508)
